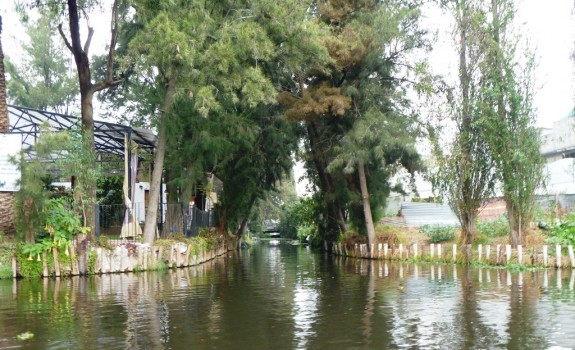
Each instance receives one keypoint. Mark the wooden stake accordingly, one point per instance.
(56, 262)
(571, 256)
(415, 250)
(487, 251)
(545, 257)
(439, 252)
(74, 262)
(497, 254)
(431, 250)
(171, 261)
(44, 264)
(14, 267)
(385, 247)
(558, 255)
(508, 252)
(454, 253)
(98, 267)
(520, 254)
(400, 250)
(479, 252)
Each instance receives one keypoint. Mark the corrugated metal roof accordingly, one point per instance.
(420, 214)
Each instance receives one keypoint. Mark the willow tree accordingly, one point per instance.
(508, 93)
(466, 173)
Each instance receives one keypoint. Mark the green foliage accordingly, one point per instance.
(61, 225)
(438, 233)
(494, 228)
(35, 183)
(564, 233)
(40, 79)
(29, 266)
(80, 161)
(91, 265)
(297, 219)
(110, 190)
(61, 222)
(6, 254)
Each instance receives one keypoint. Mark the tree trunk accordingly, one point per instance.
(366, 205)
(240, 233)
(514, 228)
(334, 210)
(468, 227)
(155, 190)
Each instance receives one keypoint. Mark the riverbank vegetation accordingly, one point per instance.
(238, 90)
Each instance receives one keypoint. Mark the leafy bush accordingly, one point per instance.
(297, 216)
(564, 233)
(438, 233)
(495, 228)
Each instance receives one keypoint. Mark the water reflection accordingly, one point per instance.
(286, 297)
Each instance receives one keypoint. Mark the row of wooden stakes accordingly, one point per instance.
(492, 255)
(124, 258)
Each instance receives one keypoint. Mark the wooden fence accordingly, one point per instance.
(546, 256)
(127, 257)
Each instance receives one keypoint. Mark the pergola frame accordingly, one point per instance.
(109, 138)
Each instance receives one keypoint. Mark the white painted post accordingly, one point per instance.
(415, 250)
(571, 256)
(371, 253)
(400, 250)
(385, 250)
(497, 253)
(431, 250)
(379, 249)
(479, 252)
(439, 253)
(558, 255)
(487, 251)
(454, 253)
(520, 254)
(545, 257)
(508, 252)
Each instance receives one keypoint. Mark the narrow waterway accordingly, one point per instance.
(287, 297)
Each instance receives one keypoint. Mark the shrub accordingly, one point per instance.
(438, 233)
(564, 233)
(495, 228)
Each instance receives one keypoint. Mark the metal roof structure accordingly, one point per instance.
(109, 138)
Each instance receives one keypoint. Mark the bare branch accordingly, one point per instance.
(88, 39)
(64, 37)
(105, 84)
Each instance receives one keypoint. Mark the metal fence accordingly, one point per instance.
(173, 218)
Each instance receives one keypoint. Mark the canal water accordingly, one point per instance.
(287, 297)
